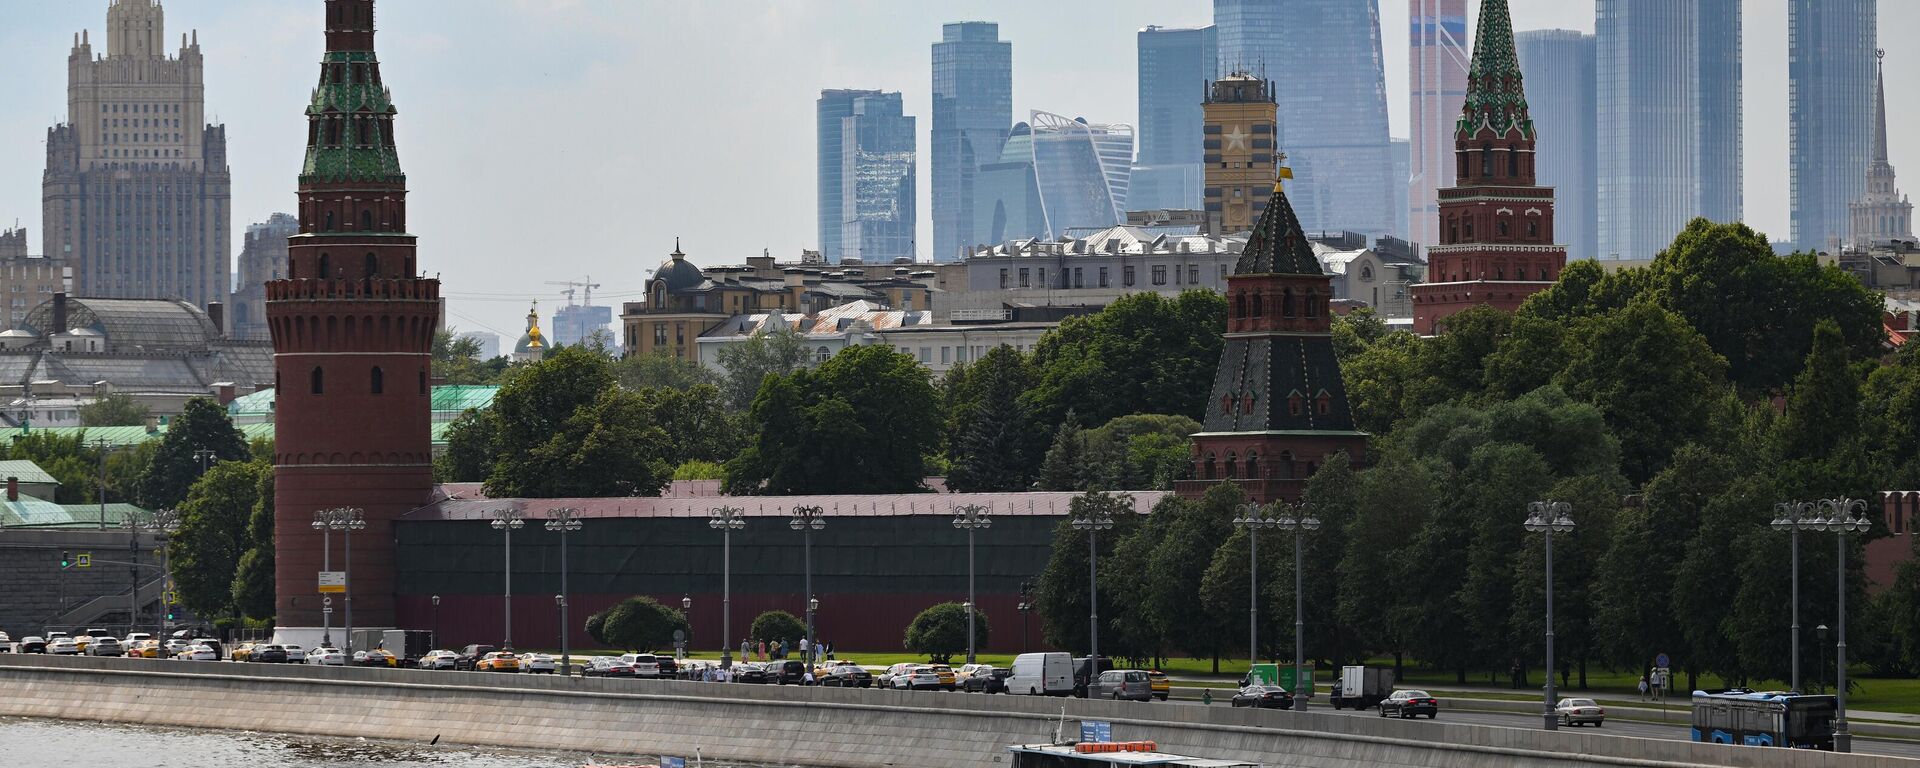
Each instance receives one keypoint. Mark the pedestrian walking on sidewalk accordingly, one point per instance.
(1643, 687)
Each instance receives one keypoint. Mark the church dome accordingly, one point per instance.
(677, 272)
(532, 344)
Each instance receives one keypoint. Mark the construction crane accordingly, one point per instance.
(585, 283)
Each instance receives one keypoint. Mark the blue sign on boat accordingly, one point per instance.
(1090, 730)
(672, 762)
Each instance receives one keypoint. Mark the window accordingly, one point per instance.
(1193, 274)
(946, 355)
(1077, 283)
(1323, 404)
(1513, 163)
(1103, 277)
(1025, 279)
(1126, 276)
(1232, 471)
(366, 220)
(1295, 404)
(1159, 274)
(373, 266)
(319, 380)
(1240, 305)
(1259, 308)
(1043, 277)
(822, 354)
(659, 334)
(1003, 278)
(926, 354)
(1486, 160)
(326, 262)
(379, 384)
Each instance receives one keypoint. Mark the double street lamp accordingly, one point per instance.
(726, 520)
(1548, 518)
(1296, 519)
(346, 520)
(970, 518)
(158, 521)
(563, 520)
(1843, 516)
(507, 521)
(1794, 517)
(806, 520)
(1093, 521)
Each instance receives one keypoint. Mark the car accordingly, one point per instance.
(244, 652)
(667, 667)
(327, 657)
(63, 646)
(1085, 670)
(844, 674)
(270, 653)
(438, 659)
(145, 649)
(80, 643)
(198, 653)
(1121, 685)
(1580, 712)
(607, 666)
(377, 657)
(539, 664)
(1161, 685)
(498, 661)
(948, 680)
(790, 671)
(983, 678)
(135, 637)
(919, 677)
(106, 646)
(1042, 674)
(644, 664)
(1261, 696)
(750, 672)
(33, 644)
(6, 643)
(471, 655)
(885, 679)
(174, 645)
(1410, 704)
(295, 654)
(218, 649)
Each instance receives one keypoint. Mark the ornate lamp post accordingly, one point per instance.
(1025, 607)
(806, 520)
(436, 621)
(346, 520)
(506, 521)
(726, 520)
(970, 518)
(1253, 519)
(1093, 522)
(1844, 516)
(1794, 517)
(1548, 518)
(686, 609)
(1298, 520)
(563, 520)
(813, 645)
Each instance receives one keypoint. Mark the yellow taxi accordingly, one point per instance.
(1158, 683)
(145, 649)
(498, 661)
(948, 680)
(378, 657)
(244, 652)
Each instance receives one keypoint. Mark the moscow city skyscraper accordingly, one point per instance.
(1175, 65)
(1325, 61)
(972, 113)
(136, 195)
(866, 176)
(1829, 85)
(1557, 66)
(1438, 86)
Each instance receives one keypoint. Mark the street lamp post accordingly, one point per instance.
(813, 646)
(970, 518)
(346, 520)
(436, 621)
(726, 520)
(1298, 520)
(1820, 633)
(1253, 519)
(1548, 518)
(506, 521)
(1844, 516)
(1794, 517)
(203, 455)
(686, 609)
(164, 522)
(1025, 607)
(806, 520)
(1093, 522)
(563, 520)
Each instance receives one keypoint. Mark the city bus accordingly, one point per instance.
(1741, 716)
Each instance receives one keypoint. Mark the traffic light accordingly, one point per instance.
(169, 616)
(66, 559)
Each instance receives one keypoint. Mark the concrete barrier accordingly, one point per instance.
(828, 727)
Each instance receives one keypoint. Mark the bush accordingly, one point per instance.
(641, 624)
(695, 469)
(777, 625)
(941, 631)
(596, 627)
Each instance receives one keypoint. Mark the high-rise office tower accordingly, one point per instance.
(263, 259)
(1081, 170)
(1402, 152)
(136, 190)
(1557, 66)
(1830, 69)
(1324, 59)
(1175, 65)
(867, 204)
(972, 112)
(1667, 100)
(1882, 213)
(1241, 152)
(1438, 65)
(1496, 232)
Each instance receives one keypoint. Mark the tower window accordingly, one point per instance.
(319, 380)
(1486, 161)
(373, 265)
(423, 382)
(1513, 163)
(326, 262)
(366, 220)
(379, 385)
(1258, 308)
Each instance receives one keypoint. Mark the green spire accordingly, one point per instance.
(346, 93)
(1495, 97)
(1277, 246)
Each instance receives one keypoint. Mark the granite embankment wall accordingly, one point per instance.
(770, 724)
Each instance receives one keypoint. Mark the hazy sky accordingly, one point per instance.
(554, 139)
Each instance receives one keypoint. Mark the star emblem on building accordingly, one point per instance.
(1238, 138)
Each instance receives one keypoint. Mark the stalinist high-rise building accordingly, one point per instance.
(136, 196)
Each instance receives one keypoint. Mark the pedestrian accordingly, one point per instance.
(1643, 687)
(746, 649)
(803, 651)
(763, 651)
(808, 676)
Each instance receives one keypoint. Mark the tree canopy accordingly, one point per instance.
(940, 632)
(175, 465)
(863, 422)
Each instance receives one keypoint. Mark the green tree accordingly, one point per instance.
(456, 360)
(662, 370)
(1355, 331)
(69, 459)
(1391, 503)
(1454, 363)
(253, 587)
(749, 363)
(1595, 501)
(1060, 597)
(1634, 614)
(597, 627)
(473, 442)
(776, 625)
(1493, 491)
(1065, 466)
(174, 467)
(1379, 380)
(1823, 411)
(641, 624)
(995, 443)
(1135, 452)
(565, 429)
(1177, 569)
(698, 422)
(1144, 353)
(940, 632)
(695, 469)
(1654, 377)
(868, 397)
(204, 555)
(114, 410)
(1703, 598)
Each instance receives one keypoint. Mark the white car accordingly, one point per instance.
(199, 653)
(331, 657)
(296, 654)
(538, 663)
(175, 645)
(135, 637)
(441, 659)
(644, 664)
(105, 646)
(63, 646)
(6, 643)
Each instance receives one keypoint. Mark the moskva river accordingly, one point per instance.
(60, 743)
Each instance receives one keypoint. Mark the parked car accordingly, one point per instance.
(644, 664)
(1086, 670)
(1161, 685)
(1263, 697)
(145, 649)
(983, 678)
(33, 644)
(607, 666)
(243, 652)
(219, 651)
(750, 672)
(790, 671)
(948, 680)
(539, 664)
(295, 654)
(1580, 712)
(498, 661)
(135, 637)
(63, 646)
(106, 646)
(199, 653)
(173, 646)
(438, 659)
(918, 677)
(471, 655)
(1122, 685)
(886, 678)
(666, 668)
(1042, 674)
(270, 653)
(842, 674)
(327, 657)
(6, 643)
(377, 657)
(1410, 704)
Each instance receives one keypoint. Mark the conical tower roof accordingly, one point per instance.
(1277, 245)
(1495, 96)
(1880, 157)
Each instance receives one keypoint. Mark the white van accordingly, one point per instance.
(1042, 674)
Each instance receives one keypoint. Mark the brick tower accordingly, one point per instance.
(1278, 407)
(351, 328)
(1496, 225)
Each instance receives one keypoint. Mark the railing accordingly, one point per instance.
(978, 315)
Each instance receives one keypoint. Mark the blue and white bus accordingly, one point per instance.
(1741, 716)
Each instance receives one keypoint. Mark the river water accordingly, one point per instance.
(54, 743)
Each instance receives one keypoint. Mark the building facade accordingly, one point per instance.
(263, 259)
(1882, 214)
(1830, 76)
(575, 323)
(972, 112)
(1496, 231)
(1242, 151)
(833, 107)
(27, 281)
(1667, 138)
(1557, 65)
(136, 193)
(1438, 67)
(866, 175)
(352, 327)
(1324, 58)
(1175, 65)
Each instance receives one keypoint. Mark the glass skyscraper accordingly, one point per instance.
(877, 212)
(1055, 174)
(1830, 93)
(972, 112)
(1175, 65)
(1437, 87)
(833, 107)
(1557, 67)
(1667, 101)
(1325, 61)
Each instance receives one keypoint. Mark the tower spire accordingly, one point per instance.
(1278, 245)
(1496, 99)
(1880, 109)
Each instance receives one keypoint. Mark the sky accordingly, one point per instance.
(552, 140)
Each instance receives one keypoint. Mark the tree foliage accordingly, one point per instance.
(641, 624)
(253, 579)
(749, 363)
(1136, 452)
(940, 632)
(776, 626)
(862, 422)
(662, 370)
(456, 360)
(174, 466)
(1144, 353)
(994, 441)
(114, 410)
(204, 555)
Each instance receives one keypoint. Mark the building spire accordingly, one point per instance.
(1495, 98)
(1880, 109)
(1277, 245)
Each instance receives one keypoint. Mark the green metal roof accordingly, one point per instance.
(26, 471)
(252, 403)
(120, 437)
(29, 511)
(460, 397)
